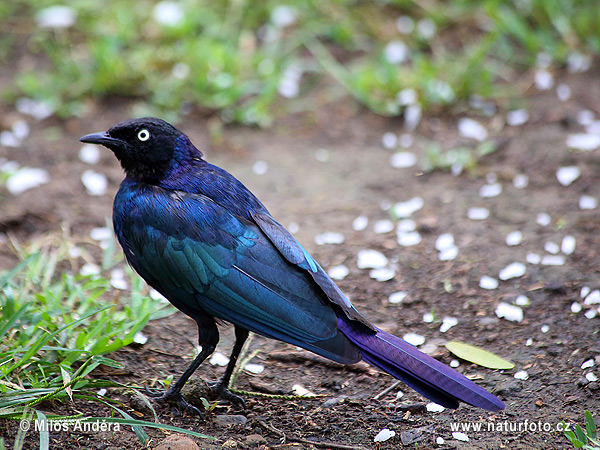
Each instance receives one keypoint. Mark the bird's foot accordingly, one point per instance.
(220, 390)
(174, 396)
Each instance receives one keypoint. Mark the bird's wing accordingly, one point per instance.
(195, 250)
(296, 254)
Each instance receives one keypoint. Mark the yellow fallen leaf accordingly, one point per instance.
(478, 355)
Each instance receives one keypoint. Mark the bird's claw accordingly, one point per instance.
(174, 396)
(220, 390)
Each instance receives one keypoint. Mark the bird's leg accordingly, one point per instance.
(220, 387)
(208, 337)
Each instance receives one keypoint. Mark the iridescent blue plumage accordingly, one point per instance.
(202, 239)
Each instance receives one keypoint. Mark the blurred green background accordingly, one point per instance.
(251, 61)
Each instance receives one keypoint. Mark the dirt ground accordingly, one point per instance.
(357, 179)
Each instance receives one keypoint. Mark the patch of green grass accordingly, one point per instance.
(587, 438)
(230, 56)
(58, 326)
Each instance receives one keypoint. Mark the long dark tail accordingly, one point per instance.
(424, 374)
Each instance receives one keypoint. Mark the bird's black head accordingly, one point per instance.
(147, 148)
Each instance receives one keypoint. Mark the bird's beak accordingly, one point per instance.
(102, 138)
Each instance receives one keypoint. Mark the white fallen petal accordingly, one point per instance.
(329, 238)
(475, 213)
(448, 254)
(338, 272)
(587, 202)
(447, 323)
(543, 80)
(520, 181)
(428, 317)
(403, 210)
(412, 116)
(576, 307)
(89, 154)
(490, 190)
(590, 313)
(384, 435)
(543, 219)
(57, 16)
(514, 238)
(509, 312)
(383, 226)
(407, 97)
(89, 269)
(566, 175)
(218, 359)
(585, 290)
(472, 129)
(444, 241)
(487, 282)
(460, 436)
(396, 52)
(553, 260)
(591, 377)
(140, 338)
(426, 28)
(409, 239)
(513, 270)
(301, 391)
(95, 183)
(26, 178)
(406, 225)
(551, 247)
(521, 375)
(254, 368)
(533, 258)
(397, 297)
(593, 298)
(371, 259)
(585, 117)
(587, 364)
(8, 139)
(101, 233)
(517, 117)
(360, 223)
(36, 109)
(454, 363)
(402, 160)
(283, 16)
(155, 295)
(168, 13)
(434, 407)
(382, 274)
(389, 140)
(260, 167)
(545, 328)
(563, 92)
(584, 142)
(414, 339)
(102, 392)
(439, 440)
(567, 245)
(522, 300)
(578, 62)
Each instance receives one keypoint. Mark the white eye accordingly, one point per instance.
(144, 135)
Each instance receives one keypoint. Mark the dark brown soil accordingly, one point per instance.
(327, 196)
